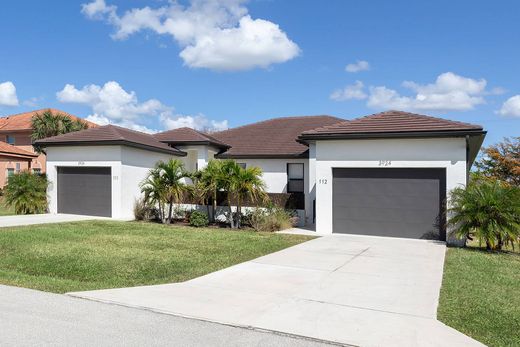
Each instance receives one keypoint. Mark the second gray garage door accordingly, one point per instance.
(85, 191)
(390, 202)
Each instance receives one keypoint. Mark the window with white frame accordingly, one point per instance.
(10, 172)
(242, 165)
(295, 182)
(17, 167)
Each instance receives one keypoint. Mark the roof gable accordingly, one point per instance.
(110, 135)
(187, 135)
(271, 138)
(392, 122)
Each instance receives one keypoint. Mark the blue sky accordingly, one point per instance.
(156, 64)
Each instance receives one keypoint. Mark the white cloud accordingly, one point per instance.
(198, 122)
(353, 91)
(213, 34)
(111, 104)
(8, 94)
(111, 101)
(449, 92)
(360, 65)
(511, 107)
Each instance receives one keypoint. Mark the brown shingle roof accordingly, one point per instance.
(187, 135)
(110, 135)
(13, 151)
(23, 121)
(271, 138)
(391, 122)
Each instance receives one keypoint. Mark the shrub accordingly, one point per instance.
(143, 210)
(199, 219)
(487, 210)
(271, 219)
(27, 193)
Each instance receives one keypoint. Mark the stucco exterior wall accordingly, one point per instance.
(448, 153)
(129, 167)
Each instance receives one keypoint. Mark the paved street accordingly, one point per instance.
(30, 318)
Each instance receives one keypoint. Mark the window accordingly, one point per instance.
(9, 139)
(295, 183)
(242, 165)
(37, 171)
(10, 172)
(17, 167)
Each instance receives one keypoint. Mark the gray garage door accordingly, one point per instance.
(390, 202)
(85, 190)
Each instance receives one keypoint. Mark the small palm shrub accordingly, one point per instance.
(27, 193)
(271, 219)
(488, 211)
(199, 219)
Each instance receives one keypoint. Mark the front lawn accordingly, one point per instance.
(106, 254)
(4, 210)
(480, 295)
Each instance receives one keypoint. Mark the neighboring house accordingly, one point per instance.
(16, 150)
(384, 174)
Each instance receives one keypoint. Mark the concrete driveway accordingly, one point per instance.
(31, 219)
(358, 290)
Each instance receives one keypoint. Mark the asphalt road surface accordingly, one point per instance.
(30, 317)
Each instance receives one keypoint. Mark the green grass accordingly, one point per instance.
(4, 210)
(105, 254)
(480, 295)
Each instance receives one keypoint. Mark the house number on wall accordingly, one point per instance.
(322, 181)
(385, 162)
(81, 163)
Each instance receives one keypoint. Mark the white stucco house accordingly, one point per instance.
(385, 174)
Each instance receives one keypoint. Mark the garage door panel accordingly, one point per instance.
(85, 190)
(388, 202)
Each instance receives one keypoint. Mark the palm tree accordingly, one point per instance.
(240, 184)
(172, 175)
(211, 178)
(487, 210)
(153, 190)
(247, 185)
(47, 124)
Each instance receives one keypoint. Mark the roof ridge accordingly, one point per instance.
(397, 112)
(275, 118)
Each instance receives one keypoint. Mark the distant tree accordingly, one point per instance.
(501, 161)
(48, 123)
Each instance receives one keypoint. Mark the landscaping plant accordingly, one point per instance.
(164, 186)
(199, 219)
(270, 219)
(26, 192)
(487, 210)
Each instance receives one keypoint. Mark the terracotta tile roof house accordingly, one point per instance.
(7, 150)
(22, 121)
(386, 174)
(17, 152)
